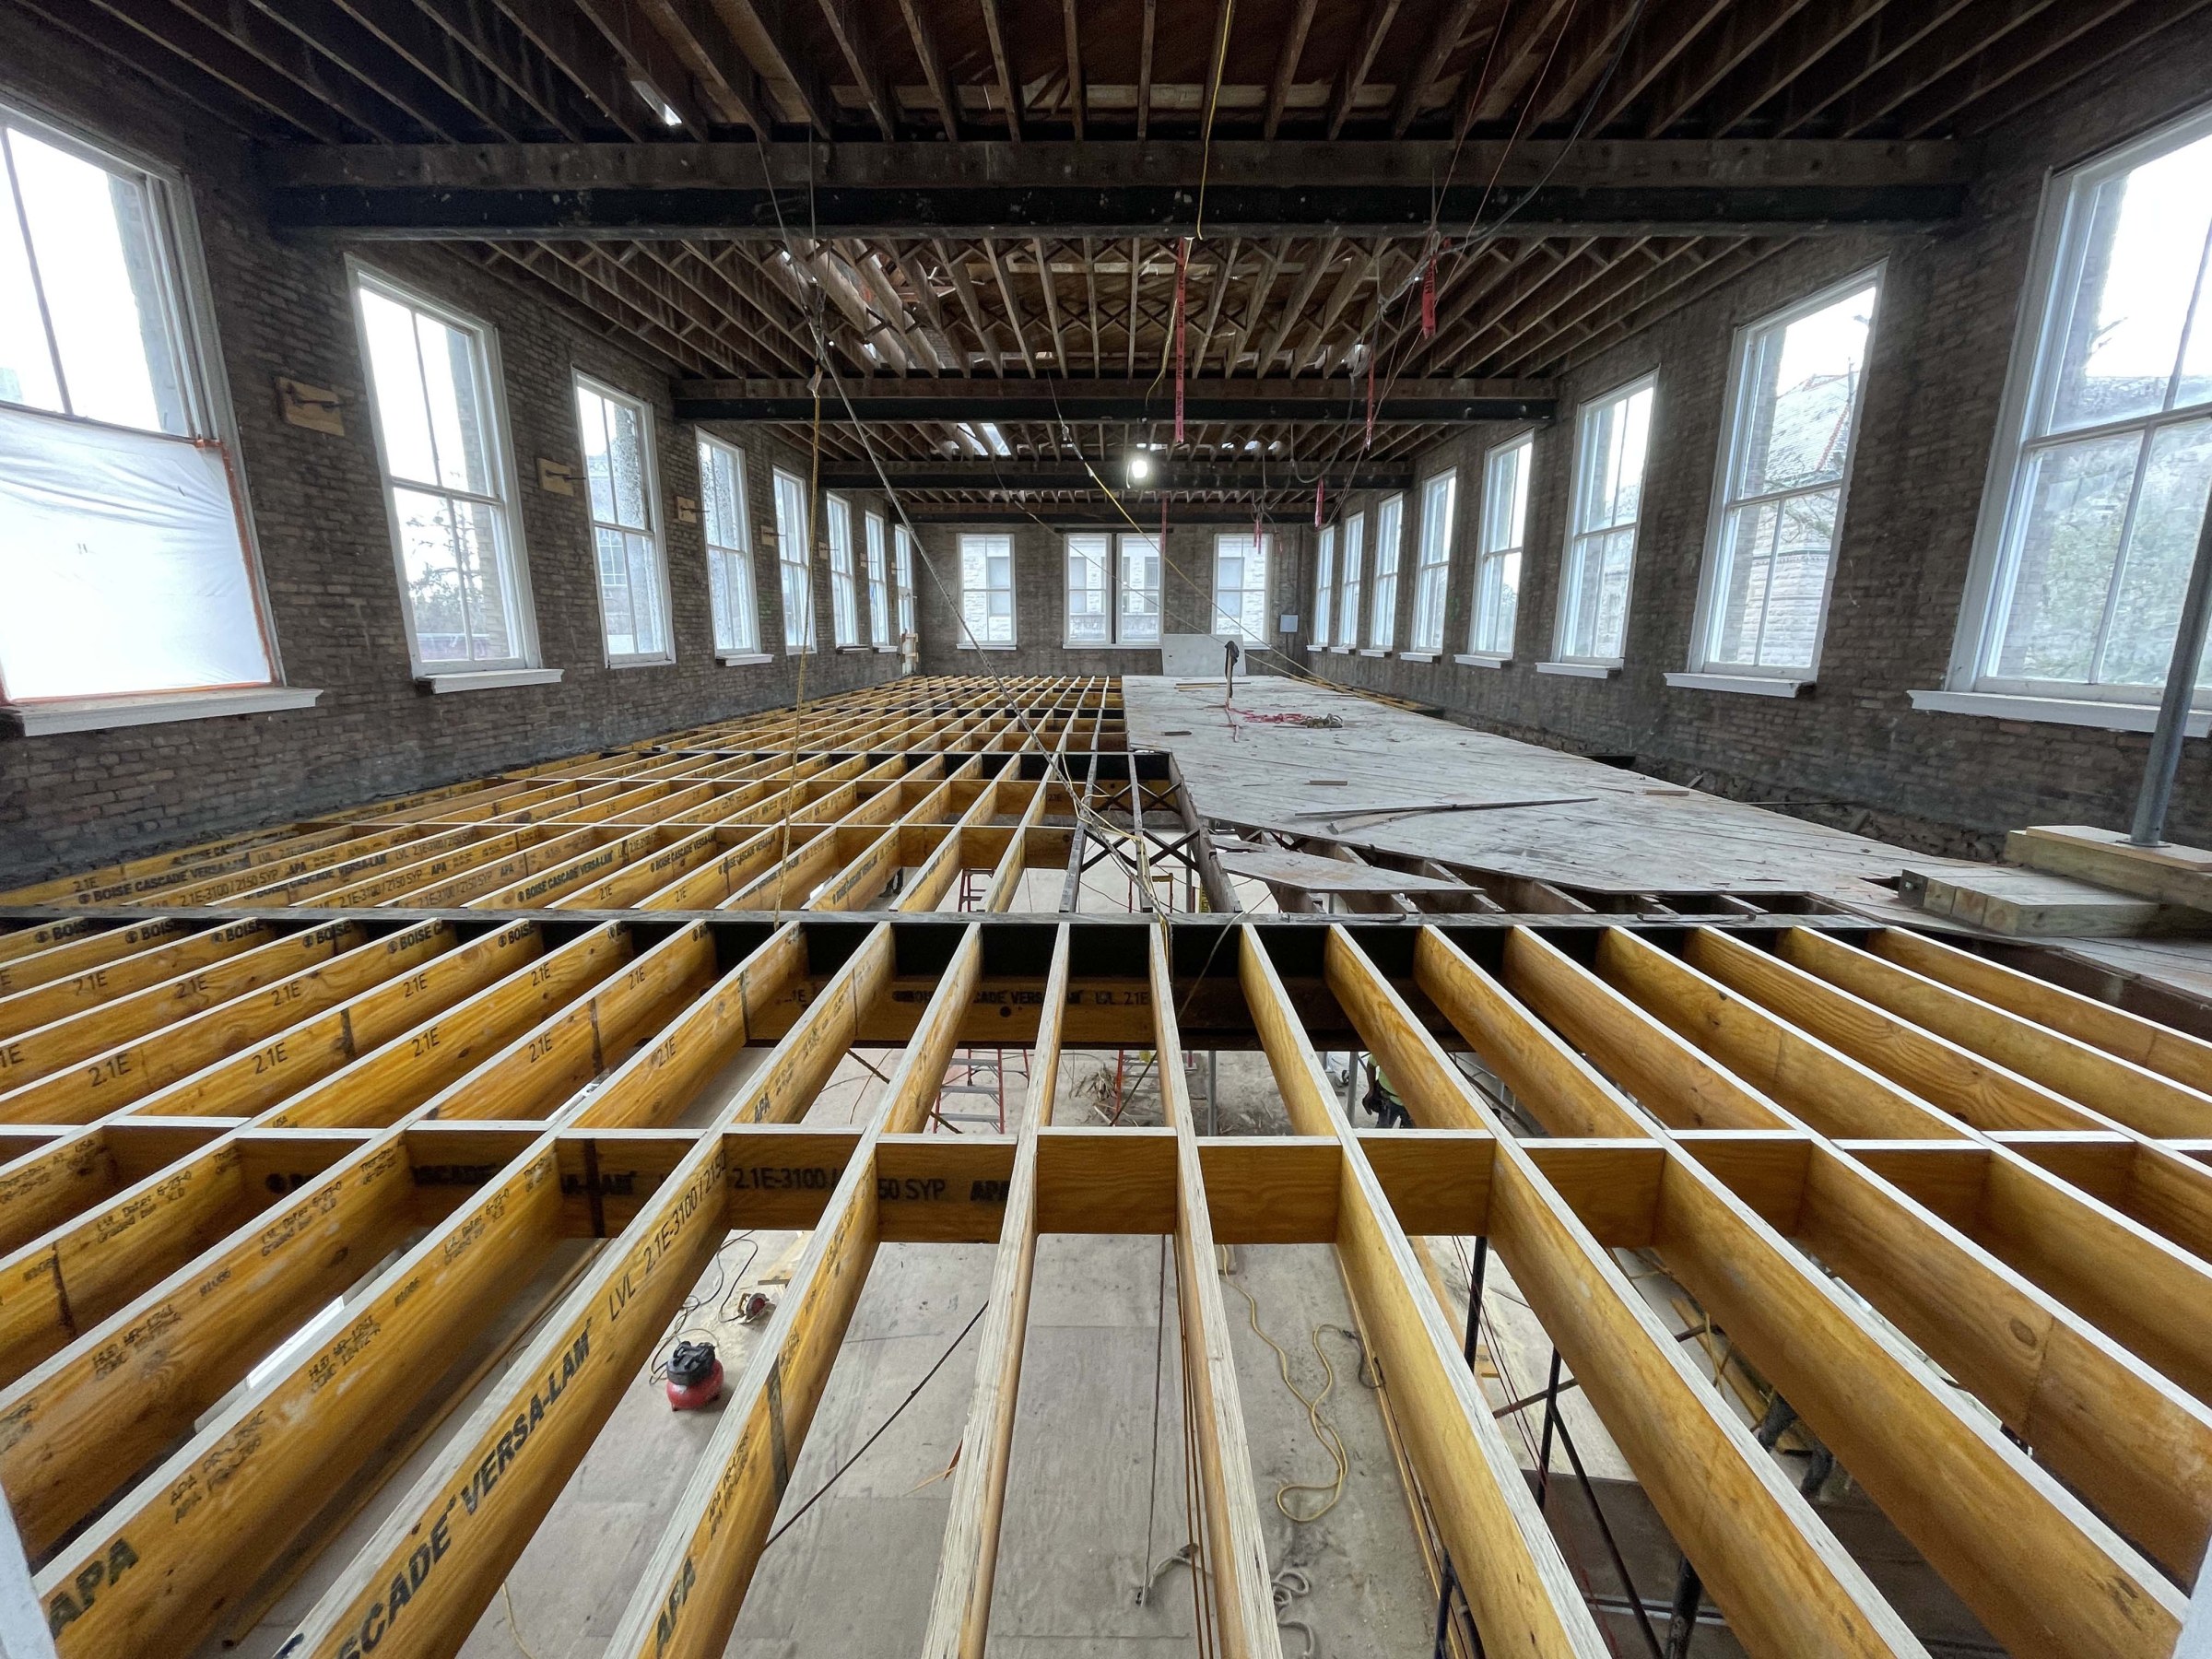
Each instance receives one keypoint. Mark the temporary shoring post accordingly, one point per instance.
(2165, 757)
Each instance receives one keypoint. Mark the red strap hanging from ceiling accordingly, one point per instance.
(1429, 299)
(1320, 486)
(1183, 271)
(1369, 442)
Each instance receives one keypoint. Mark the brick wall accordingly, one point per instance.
(1041, 599)
(1853, 750)
(70, 801)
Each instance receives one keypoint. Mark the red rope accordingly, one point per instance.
(1320, 485)
(1429, 299)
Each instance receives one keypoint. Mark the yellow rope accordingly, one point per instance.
(1324, 1430)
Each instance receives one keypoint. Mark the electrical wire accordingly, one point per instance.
(911, 1393)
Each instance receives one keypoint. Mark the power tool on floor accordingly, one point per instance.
(694, 1376)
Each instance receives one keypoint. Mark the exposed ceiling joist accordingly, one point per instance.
(1174, 475)
(1056, 399)
(1613, 187)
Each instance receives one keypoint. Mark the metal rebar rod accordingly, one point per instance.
(2165, 757)
(1604, 1531)
(1689, 1589)
(1551, 1418)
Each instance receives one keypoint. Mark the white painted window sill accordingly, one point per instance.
(2054, 711)
(1108, 645)
(853, 649)
(640, 662)
(884, 650)
(743, 659)
(1340, 650)
(1416, 656)
(1580, 670)
(44, 718)
(990, 645)
(1480, 659)
(1369, 652)
(488, 679)
(1755, 685)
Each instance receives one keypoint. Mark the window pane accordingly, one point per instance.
(2162, 542)
(1140, 590)
(1801, 381)
(614, 458)
(795, 580)
(1348, 611)
(1439, 497)
(1497, 600)
(1382, 624)
(431, 555)
(845, 597)
(91, 236)
(645, 595)
(2075, 504)
(1324, 583)
(395, 375)
(1775, 572)
(26, 364)
(455, 395)
(2143, 259)
(1614, 435)
(120, 564)
(879, 586)
(1089, 621)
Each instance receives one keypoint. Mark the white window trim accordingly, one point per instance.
(1703, 667)
(361, 275)
(1525, 476)
(649, 442)
(208, 390)
(1429, 648)
(1766, 683)
(905, 600)
(488, 679)
(1219, 619)
(1351, 591)
(1113, 591)
(969, 640)
(844, 580)
(741, 652)
(1561, 662)
(876, 565)
(1324, 589)
(810, 633)
(1386, 580)
(1965, 689)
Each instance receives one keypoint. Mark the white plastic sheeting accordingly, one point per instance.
(122, 565)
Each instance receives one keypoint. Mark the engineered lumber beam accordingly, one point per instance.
(1786, 1585)
(959, 1609)
(695, 1582)
(1235, 1553)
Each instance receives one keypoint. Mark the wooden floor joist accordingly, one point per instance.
(405, 1056)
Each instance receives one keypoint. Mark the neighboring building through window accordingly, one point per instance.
(1325, 584)
(903, 569)
(1112, 589)
(1611, 436)
(1382, 621)
(794, 576)
(626, 536)
(2099, 481)
(1497, 550)
(879, 585)
(434, 389)
(845, 581)
(1793, 407)
(1347, 598)
(986, 590)
(123, 552)
(729, 547)
(1240, 587)
(1432, 567)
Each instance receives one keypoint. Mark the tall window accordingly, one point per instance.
(1610, 440)
(1432, 570)
(447, 483)
(844, 580)
(791, 565)
(1241, 588)
(879, 585)
(987, 590)
(626, 535)
(1325, 584)
(1498, 551)
(729, 547)
(903, 543)
(1112, 589)
(1792, 406)
(2099, 479)
(1382, 622)
(123, 557)
(1347, 599)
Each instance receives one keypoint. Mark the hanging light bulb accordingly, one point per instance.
(1140, 467)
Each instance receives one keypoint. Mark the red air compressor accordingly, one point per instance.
(694, 1376)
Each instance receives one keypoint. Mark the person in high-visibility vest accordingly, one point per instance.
(1382, 1101)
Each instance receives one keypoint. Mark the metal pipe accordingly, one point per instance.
(1551, 1421)
(1689, 1589)
(2165, 757)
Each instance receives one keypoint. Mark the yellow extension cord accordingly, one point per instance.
(1324, 1430)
